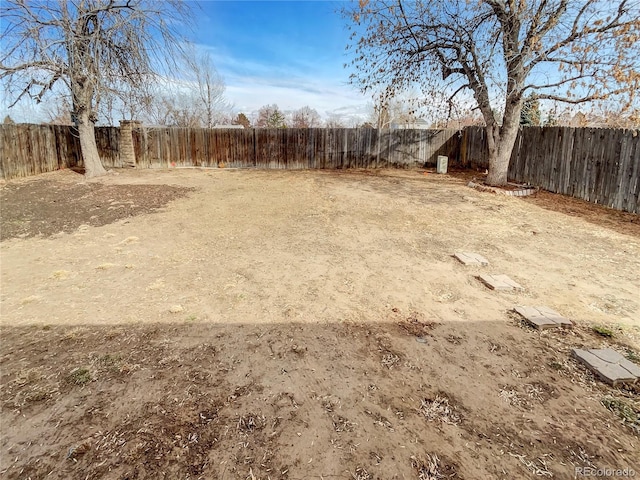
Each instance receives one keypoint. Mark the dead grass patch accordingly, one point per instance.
(30, 386)
(390, 360)
(251, 422)
(415, 323)
(432, 467)
(361, 473)
(440, 408)
(538, 466)
(342, 424)
(380, 420)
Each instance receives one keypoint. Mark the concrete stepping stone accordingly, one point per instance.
(608, 365)
(543, 317)
(501, 283)
(469, 258)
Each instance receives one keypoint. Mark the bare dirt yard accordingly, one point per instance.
(239, 324)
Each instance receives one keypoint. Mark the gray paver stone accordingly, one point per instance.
(552, 314)
(543, 317)
(500, 282)
(610, 372)
(469, 258)
(633, 368)
(609, 355)
(534, 317)
(606, 354)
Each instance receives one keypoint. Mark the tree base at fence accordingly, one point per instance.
(510, 189)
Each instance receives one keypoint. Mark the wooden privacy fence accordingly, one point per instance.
(27, 149)
(293, 148)
(598, 165)
(32, 149)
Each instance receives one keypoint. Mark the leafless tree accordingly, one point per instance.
(179, 109)
(306, 117)
(334, 121)
(379, 115)
(388, 111)
(128, 102)
(210, 89)
(89, 46)
(194, 98)
(502, 51)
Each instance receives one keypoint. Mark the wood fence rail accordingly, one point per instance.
(598, 165)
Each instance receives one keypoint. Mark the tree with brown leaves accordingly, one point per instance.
(242, 119)
(502, 52)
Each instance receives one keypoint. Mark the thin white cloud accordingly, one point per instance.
(251, 84)
(248, 95)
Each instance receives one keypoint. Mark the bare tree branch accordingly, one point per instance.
(499, 50)
(90, 47)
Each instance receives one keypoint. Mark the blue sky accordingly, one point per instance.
(286, 52)
(290, 53)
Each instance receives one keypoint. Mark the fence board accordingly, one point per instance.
(632, 192)
(474, 152)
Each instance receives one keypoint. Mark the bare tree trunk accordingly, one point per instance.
(92, 164)
(493, 138)
(209, 107)
(503, 139)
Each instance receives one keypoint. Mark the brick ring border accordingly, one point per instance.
(525, 192)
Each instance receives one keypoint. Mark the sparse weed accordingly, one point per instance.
(624, 410)
(110, 362)
(28, 377)
(341, 424)
(37, 394)
(389, 360)
(603, 331)
(73, 334)
(556, 366)
(633, 356)
(79, 376)
(32, 386)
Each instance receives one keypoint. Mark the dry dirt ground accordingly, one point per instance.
(238, 324)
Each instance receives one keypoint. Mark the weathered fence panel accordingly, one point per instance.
(598, 165)
(473, 148)
(33, 149)
(108, 142)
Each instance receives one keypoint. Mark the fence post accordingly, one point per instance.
(127, 152)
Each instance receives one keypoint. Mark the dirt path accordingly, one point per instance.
(264, 324)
